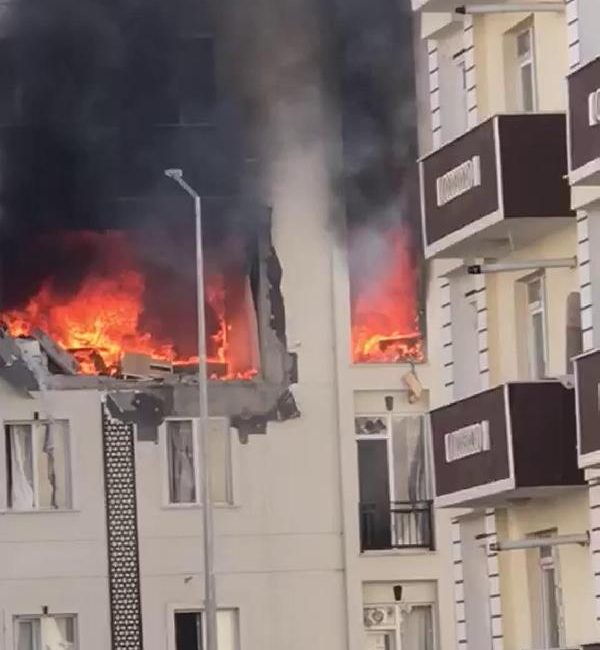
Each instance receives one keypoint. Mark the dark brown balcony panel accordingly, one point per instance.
(587, 386)
(514, 441)
(584, 125)
(500, 184)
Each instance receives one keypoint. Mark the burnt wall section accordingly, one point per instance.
(122, 533)
(248, 404)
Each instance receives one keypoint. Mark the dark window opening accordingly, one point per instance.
(188, 631)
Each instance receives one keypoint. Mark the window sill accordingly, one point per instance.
(198, 506)
(394, 552)
(39, 511)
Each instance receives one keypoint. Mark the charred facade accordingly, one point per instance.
(98, 99)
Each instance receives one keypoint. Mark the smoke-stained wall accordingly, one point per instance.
(98, 98)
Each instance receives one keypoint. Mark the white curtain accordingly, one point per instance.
(416, 629)
(409, 459)
(21, 453)
(53, 637)
(410, 481)
(48, 449)
(182, 484)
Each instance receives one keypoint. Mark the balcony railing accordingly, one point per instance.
(396, 525)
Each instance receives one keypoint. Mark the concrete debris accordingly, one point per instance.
(63, 360)
(13, 367)
(143, 366)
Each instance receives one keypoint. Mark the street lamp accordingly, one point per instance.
(210, 596)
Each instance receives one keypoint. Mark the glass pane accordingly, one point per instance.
(364, 426)
(52, 465)
(381, 641)
(408, 445)
(550, 608)
(417, 628)
(188, 631)
(20, 480)
(534, 291)
(524, 43)
(219, 452)
(527, 92)
(227, 629)
(180, 458)
(538, 343)
(25, 635)
(57, 632)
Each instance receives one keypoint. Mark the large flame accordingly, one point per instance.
(385, 304)
(102, 320)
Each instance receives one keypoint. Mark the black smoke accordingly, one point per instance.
(98, 97)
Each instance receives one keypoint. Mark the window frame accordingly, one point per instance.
(548, 564)
(522, 61)
(36, 618)
(5, 458)
(536, 308)
(396, 630)
(194, 608)
(387, 436)
(231, 469)
(387, 417)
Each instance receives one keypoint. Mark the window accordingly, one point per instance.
(38, 472)
(395, 509)
(183, 461)
(546, 595)
(43, 632)
(399, 627)
(536, 326)
(550, 599)
(190, 631)
(526, 79)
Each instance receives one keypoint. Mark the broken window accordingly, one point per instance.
(38, 465)
(183, 461)
(190, 631)
(384, 292)
(46, 632)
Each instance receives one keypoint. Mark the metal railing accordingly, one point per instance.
(399, 524)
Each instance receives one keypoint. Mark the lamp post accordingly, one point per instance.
(210, 597)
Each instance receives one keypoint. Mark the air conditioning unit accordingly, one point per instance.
(379, 617)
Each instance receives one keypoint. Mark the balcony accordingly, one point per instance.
(517, 440)
(584, 124)
(498, 186)
(587, 389)
(396, 525)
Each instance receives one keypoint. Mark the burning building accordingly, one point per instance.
(97, 247)
(98, 358)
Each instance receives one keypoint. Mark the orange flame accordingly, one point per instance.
(384, 284)
(101, 321)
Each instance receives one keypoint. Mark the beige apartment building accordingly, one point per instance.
(509, 189)
(325, 531)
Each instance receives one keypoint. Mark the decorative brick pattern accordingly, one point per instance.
(122, 532)
(482, 331)
(572, 14)
(491, 537)
(434, 93)
(446, 339)
(459, 587)
(469, 44)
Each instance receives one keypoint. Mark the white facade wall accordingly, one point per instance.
(59, 559)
